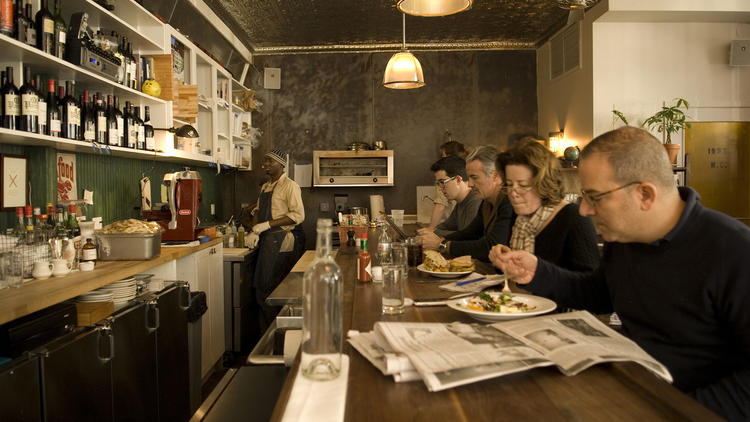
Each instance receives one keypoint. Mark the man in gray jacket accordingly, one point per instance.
(451, 179)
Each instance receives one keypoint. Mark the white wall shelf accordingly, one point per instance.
(142, 28)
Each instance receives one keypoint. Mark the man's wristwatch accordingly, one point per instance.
(443, 247)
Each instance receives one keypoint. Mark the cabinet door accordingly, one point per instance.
(202, 282)
(216, 301)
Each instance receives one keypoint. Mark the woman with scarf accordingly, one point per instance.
(546, 225)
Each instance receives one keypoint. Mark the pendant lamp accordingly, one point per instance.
(431, 8)
(403, 70)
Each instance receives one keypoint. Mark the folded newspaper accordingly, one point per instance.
(448, 355)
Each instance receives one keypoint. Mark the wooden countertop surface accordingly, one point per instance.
(611, 391)
(39, 294)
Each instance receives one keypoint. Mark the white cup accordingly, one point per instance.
(398, 217)
(42, 269)
(60, 267)
(86, 265)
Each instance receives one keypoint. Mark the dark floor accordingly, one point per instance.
(233, 360)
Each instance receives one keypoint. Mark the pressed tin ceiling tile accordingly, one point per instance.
(288, 25)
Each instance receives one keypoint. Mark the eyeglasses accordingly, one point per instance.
(594, 198)
(519, 189)
(443, 182)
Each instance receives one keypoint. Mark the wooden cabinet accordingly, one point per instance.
(204, 271)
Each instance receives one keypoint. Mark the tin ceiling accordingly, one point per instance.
(288, 26)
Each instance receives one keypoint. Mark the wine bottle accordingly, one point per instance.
(120, 123)
(21, 25)
(140, 143)
(29, 104)
(6, 17)
(53, 110)
(113, 133)
(11, 101)
(30, 25)
(133, 67)
(71, 113)
(41, 106)
(100, 116)
(88, 121)
(131, 131)
(45, 29)
(148, 131)
(61, 31)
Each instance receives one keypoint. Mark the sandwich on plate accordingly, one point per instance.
(434, 261)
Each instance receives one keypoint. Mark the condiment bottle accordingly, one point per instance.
(88, 251)
(240, 237)
(364, 262)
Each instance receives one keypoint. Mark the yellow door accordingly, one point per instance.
(718, 165)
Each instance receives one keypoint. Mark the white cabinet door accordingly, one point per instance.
(216, 302)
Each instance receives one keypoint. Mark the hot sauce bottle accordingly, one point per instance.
(364, 271)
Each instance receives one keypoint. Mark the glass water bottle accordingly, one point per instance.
(321, 316)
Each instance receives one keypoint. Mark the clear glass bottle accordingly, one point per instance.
(384, 246)
(322, 326)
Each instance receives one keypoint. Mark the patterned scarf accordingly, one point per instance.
(527, 226)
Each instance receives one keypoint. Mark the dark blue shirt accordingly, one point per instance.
(685, 299)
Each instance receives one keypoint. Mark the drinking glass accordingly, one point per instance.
(398, 217)
(393, 289)
(414, 251)
(14, 270)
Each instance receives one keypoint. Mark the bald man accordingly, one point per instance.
(676, 273)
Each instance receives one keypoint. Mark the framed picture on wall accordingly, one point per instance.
(14, 173)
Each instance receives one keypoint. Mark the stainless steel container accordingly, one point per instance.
(128, 246)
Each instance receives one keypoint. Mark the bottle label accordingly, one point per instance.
(132, 134)
(101, 123)
(54, 127)
(364, 267)
(12, 105)
(141, 138)
(31, 36)
(49, 26)
(88, 134)
(7, 15)
(71, 115)
(42, 112)
(150, 143)
(114, 138)
(88, 254)
(29, 105)
(61, 37)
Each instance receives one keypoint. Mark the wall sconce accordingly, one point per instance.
(555, 141)
(184, 131)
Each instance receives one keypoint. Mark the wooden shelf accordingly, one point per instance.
(39, 294)
(15, 52)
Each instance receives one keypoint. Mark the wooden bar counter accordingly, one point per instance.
(605, 392)
(39, 294)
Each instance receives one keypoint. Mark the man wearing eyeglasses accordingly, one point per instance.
(676, 273)
(450, 178)
(493, 222)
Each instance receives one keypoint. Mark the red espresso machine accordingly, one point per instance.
(180, 222)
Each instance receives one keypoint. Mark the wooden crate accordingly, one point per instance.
(185, 105)
(163, 74)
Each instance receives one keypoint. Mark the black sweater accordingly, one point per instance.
(685, 299)
(569, 240)
(475, 241)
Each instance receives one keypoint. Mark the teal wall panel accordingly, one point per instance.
(114, 181)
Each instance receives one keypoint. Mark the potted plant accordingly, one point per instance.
(669, 120)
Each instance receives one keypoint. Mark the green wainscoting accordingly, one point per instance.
(114, 181)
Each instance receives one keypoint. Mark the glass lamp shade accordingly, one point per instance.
(186, 131)
(433, 7)
(403, 72)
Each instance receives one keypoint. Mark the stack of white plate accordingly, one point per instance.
(95, 296)
(122, 291)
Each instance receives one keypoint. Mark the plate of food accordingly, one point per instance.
(436, 265)
(500, 306)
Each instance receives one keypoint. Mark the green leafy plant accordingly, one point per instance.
(618, 115)
(669, 120)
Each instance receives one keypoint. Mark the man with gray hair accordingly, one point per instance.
(675, 272)
(493, 222)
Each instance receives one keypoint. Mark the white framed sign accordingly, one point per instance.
(15, 179)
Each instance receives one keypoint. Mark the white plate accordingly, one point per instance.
(442, 274)
(543, 305)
